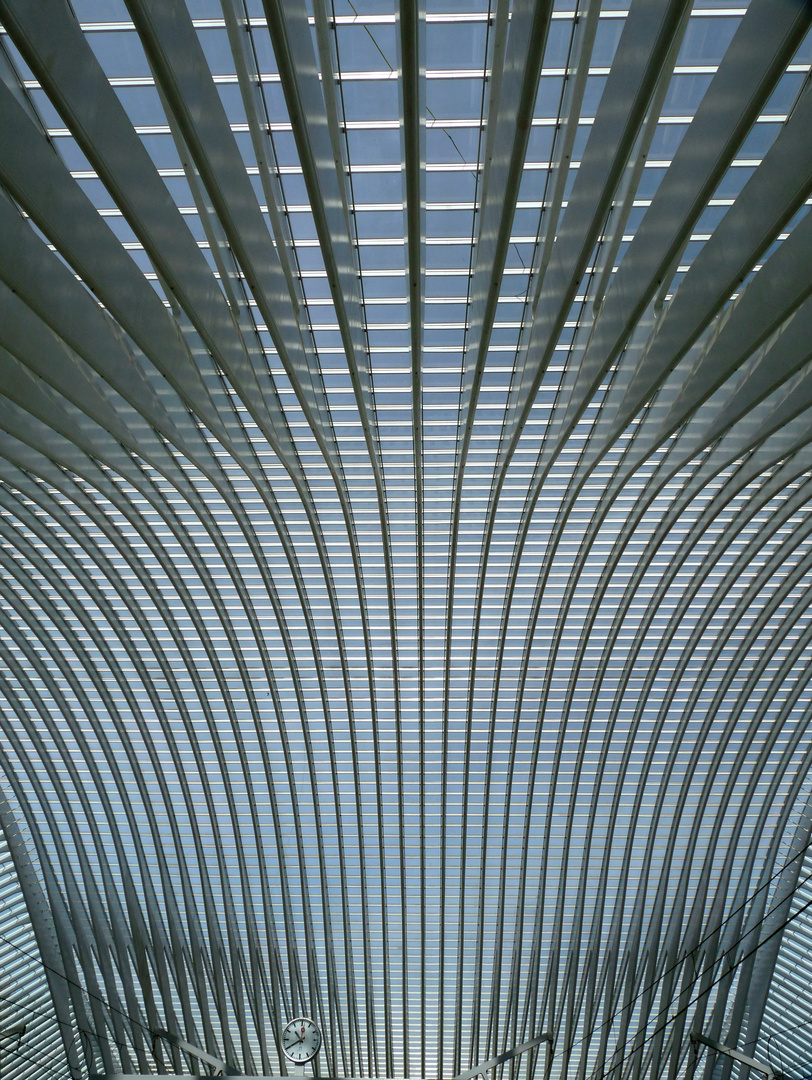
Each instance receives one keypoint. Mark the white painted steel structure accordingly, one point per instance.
(405, 536)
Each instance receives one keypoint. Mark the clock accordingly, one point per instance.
(301, 1040)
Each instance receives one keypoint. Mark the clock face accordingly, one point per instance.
(301, 1040)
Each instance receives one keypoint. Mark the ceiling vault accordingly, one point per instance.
(405, 546)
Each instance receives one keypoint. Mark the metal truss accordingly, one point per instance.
(406, 558)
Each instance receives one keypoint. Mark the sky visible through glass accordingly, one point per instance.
(404, 485)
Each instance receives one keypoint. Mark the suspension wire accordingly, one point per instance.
(670, 1019)
(4, 1050)
(36, 1012)
(84, 990)
(678, 963)
(588, 1035)
(62, 1023)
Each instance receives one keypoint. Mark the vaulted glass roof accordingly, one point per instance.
(405, 547)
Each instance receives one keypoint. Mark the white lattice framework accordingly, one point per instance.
(405, 536)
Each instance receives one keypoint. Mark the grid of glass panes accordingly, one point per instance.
(442, 781)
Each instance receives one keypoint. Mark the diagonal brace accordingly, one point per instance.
(759, 1066)
(508, 1054)
(182, 1044)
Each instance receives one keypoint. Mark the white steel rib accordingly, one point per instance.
(405, 546)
